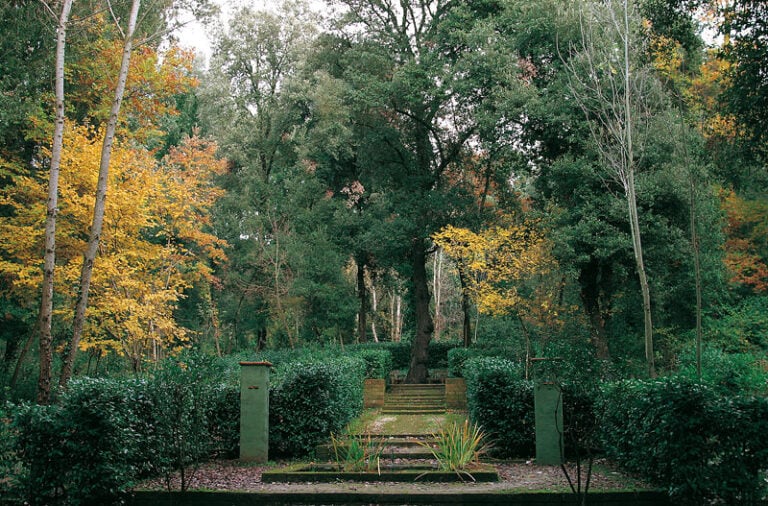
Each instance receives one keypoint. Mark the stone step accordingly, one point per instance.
(389, 448)
(414, 404)
(414, 411)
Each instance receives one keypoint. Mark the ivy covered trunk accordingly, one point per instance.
(418, 372)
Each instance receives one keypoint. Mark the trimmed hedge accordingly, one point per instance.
(378, 363)
(401, 352)
(309, 400)
(86, 449)
(501, 401)
(701, 445)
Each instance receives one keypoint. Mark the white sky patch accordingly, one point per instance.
(193, 34)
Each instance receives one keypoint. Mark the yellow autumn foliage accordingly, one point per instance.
(507, 268)
(153, 246)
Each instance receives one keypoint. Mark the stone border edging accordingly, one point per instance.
(198, 498)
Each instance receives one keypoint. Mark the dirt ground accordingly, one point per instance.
(521, 476)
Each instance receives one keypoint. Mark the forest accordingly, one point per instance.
(584, 179)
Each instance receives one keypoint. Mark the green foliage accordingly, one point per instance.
(401, 352)
(686, 436)
(179, 438)
(84, 450)
(378, 363)
(457, 358)
(501, 401)
(733, 373)
(311, 399)
(743, 327)
(13, 473)
(458, 446)
(357, 453)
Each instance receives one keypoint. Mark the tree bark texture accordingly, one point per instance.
(46, 300)
(362, 295)
(101, 198)
(418, 372)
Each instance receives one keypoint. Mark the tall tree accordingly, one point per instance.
(46, 300)
(101, 196)
(614, 90)
(426, 81)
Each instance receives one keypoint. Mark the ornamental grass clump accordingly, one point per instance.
(357, 454)
(458, 446)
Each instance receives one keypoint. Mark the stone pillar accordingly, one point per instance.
(254, 411)
(456, 394)
(373, 393)
(548, 405)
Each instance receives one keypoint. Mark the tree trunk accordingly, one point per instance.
(466, 307)
(437, 290)
(101, 197)
(590, 278)
(638, 249)
(46, 300)
(629, 171)
(362, 294)
(418, 372)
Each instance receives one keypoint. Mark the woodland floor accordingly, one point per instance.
(514, 475)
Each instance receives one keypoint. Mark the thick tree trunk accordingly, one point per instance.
(46, 300)
(362, 294)
(590, 279)
(101, 198)
(418, 372)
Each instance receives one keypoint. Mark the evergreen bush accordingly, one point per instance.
(13, 473)
(311, 399)
(85, 450)
(457, 358)
(501, 401)
(378, 362)
(701, 445)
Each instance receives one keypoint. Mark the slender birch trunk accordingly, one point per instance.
(610, 99)
(101, 197)
(46, 301)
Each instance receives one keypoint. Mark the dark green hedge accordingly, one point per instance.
(104, 434)
(85, 450)
(378, 363)
(700, 444)
(501, 401)
(401, 352)
(309, 400)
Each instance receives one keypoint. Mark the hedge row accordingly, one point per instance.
(701, 444)
(501, 401)
(309, 400)
(401, 352)
(698, 441)
(105, 434)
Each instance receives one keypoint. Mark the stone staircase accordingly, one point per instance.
(407, 399)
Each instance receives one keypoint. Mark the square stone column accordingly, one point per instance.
(254, 411)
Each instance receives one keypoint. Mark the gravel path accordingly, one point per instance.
(234, 476)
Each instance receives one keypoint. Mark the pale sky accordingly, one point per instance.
(193, 34)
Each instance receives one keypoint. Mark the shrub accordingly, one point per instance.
(102, 439)
(701, 445)
(179, 440)
(41, 448)
(13, 473)
(735, 373)
(85, 450)
(378, 363)
(457, 357)
(310, 400)
(501, 401)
